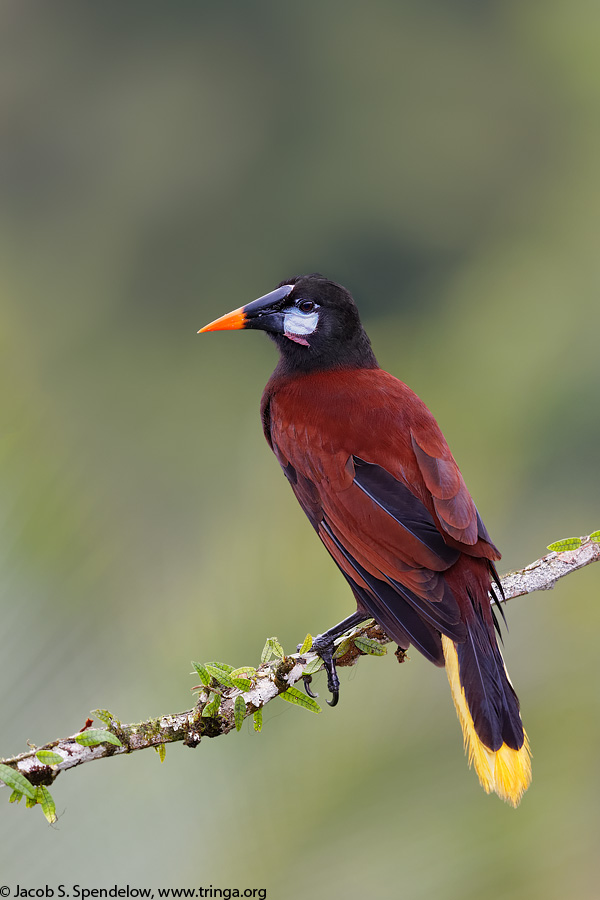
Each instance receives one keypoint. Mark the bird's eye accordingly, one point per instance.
(305, 306)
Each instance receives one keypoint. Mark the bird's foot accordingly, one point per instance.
(324, 645)
(307, 679)
(324, 648)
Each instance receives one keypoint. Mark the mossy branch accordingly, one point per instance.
(227, 696)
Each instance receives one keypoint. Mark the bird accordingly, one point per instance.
(372, 470)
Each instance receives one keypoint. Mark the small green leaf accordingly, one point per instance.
(161, 749)
(258, 719)
(17, 781)
(220, 672)
(243, 677)
(94, 736)
(30, 802)
(271, 648)
(239, 711)
(565, 544)
(202, 673)
(293, 695)
(15, 797)
(244, 672)
(343, 648)
(44, 798)
(48, 758)
(595, 536)
(368, 645)
(277, 648)
(314, 666)
(219, 665)
(306, 644)
(105, 716)
(212, 707)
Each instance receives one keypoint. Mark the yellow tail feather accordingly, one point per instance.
(505, 771)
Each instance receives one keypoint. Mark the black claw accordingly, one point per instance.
(307, 680)
(323, 646)
(333, 682)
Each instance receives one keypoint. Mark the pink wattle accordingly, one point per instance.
(296, 338)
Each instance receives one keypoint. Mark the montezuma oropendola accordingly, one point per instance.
(374, 474)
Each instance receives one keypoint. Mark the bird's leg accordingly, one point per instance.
(323, 645)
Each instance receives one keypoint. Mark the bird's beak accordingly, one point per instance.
(258, 314)
(230, 322)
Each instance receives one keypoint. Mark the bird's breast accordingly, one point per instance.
(319, 421)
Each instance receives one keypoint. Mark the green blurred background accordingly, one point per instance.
(162, 164)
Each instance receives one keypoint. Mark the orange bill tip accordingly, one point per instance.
(230, 322)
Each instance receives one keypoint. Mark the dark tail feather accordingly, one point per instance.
(488, 710)
(492, 702)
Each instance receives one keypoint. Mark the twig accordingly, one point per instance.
(270, 680)
(543, 574)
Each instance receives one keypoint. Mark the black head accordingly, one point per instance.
(313, 321)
